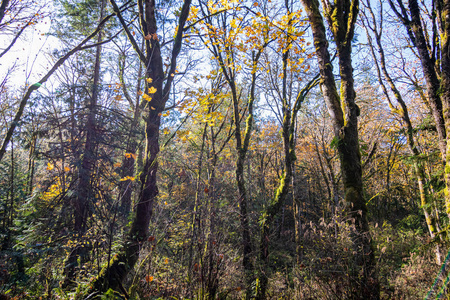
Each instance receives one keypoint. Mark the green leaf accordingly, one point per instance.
(334, 142)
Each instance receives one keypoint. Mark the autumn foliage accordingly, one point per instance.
(224, 149)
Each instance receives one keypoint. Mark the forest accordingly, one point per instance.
(225, 149)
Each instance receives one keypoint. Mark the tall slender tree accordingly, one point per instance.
(341, 16)
(374, 30)
(225, 32)
(157, 91)
(291, 31)
(432, 45)
(85, 193)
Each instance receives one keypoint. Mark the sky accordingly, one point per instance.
(28, 55)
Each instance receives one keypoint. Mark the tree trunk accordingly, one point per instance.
(128, 162)
(84, 190)
(300, 196)
(419, 169)
(31, 164)
(156, 95)
(242, 144)
(344, 112)
(197, 238)
(445, 88)
(438, 91)
(288, 134)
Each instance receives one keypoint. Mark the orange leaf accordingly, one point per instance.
(129, 155)
(149, 278)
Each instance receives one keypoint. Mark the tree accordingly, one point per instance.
(80, 46)
(432, 45)
(85, 192)
(157, 88)
(129, 159)
(290, 45)
(164, 212)
(341, 16)
(237, 44)
(374, 28)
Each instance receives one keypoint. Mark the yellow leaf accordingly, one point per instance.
(127, 178)
(194, 10)
(233, 24)
(152, 90)
(147, 97)
(50, 166)
(149, 80)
